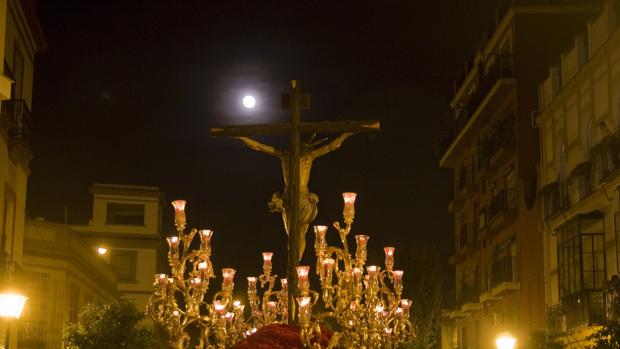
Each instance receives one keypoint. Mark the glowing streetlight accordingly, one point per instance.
(505, 341)
(102, 250)
(11, 305)
(249, 102)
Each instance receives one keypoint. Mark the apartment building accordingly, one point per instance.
(579, 124)
(493, 149)
(127, 220)
(62, 275)
(21, 38)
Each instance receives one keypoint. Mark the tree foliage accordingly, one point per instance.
(608, 337)
(109, 326)
(423, 283)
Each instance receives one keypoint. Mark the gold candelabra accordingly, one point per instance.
(369, 313)
(178, 301)
(364, 301)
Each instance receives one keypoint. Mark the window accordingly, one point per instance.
(582, 270)
(125, 214)
(124, 262)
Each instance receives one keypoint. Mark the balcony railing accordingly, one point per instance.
(504, 270)
(581, 180)
(584, 308)
(469, 294)
(503, 201)
(16, 117)
(605, 157)
(555, 197)
(501, 68)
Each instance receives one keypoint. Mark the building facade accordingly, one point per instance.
(127, 220)
(62, 274)
(20, 39)
(579, 123)
(493, 149)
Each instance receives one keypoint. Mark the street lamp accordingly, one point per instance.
(505, 341)
(11, 304)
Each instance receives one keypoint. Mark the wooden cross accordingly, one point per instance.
(295, 101)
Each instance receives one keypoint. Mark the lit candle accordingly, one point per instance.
(328, 267)
(302, 274)
(267, 256)
(179, 211)
(398, 311)
(373, 270)
(389, 257)
(360, 253)
(251, 285)
(173, 243)
(228, 274)
(220, 307)
(397, 276)
(349, 207)
(319, 242)
(406, 304)
(203, 267)
(161, 279)
(195, 282)
(205, 239)
(304, 309)
(229, 317)
(271, 311)
(236, 304)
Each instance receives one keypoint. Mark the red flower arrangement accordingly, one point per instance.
(278, 337)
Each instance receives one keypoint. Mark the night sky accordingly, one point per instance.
(126, 92)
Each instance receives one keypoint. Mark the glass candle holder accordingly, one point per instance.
(173, 243)
(205, 239)
(228, 274)
(179, 212)
(348, 211)
(327, 268)
(267, 256)
(302, 275)
(305, 305)
(360, 252)
(251, 285)
(389, 257)
(397, 277)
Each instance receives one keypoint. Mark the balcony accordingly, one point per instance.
(580, 309)
(477, 107)
(581, 181)
(469, 298)
(15, 118)
(606, 158)
(503, 208)
(504, 276)
(555, 198)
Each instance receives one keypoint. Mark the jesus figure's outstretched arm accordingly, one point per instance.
(264, 148)
(331, 146)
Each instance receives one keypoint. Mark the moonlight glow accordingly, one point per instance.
(249, 102)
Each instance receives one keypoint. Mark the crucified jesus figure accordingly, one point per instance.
(308, 201)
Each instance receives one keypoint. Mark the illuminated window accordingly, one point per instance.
(124, 262)
(125, 214)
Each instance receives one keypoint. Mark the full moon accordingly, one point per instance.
(249, 102)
